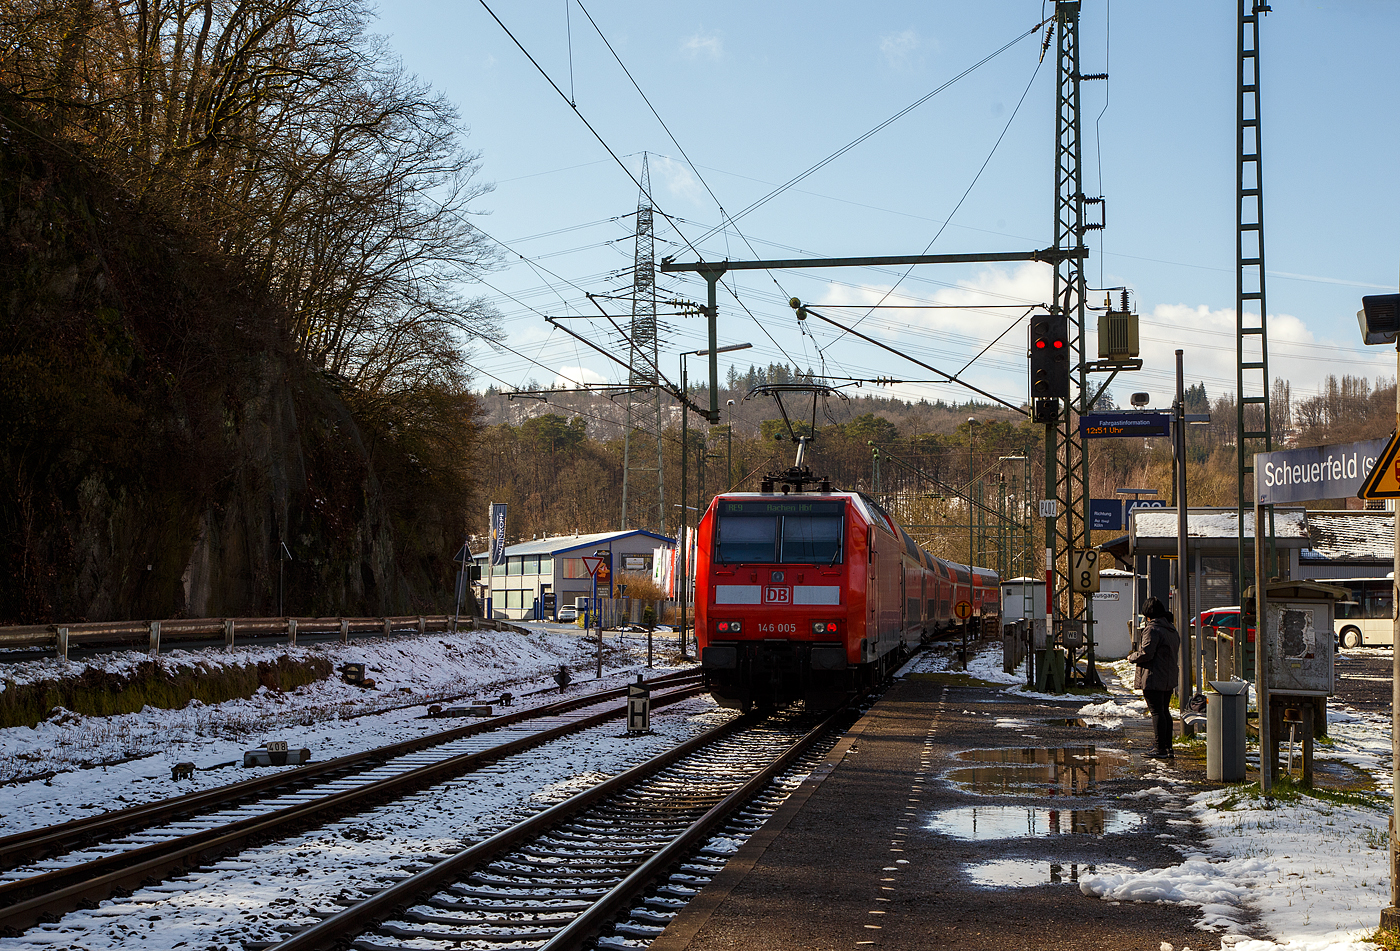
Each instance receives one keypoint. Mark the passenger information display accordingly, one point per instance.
(781, 507)
(1118, 425)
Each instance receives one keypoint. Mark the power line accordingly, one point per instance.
(879, 128)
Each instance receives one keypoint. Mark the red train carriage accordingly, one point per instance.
(812, 595)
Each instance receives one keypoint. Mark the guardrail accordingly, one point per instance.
(62, 637)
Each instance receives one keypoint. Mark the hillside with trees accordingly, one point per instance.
(234, 241)
(558, 464)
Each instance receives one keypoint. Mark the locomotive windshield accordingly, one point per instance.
(779, 532)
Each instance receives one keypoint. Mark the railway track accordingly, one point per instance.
(50, 871)
(558, 879)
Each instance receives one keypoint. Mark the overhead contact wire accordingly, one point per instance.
(877, 129)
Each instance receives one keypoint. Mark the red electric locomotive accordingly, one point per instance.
(811, 594)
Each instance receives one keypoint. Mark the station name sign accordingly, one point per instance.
(1319, 472)
(1118, 425)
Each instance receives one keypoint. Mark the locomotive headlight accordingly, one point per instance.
(824, 627)
(728, 627)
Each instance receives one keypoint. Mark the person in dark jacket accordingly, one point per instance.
(1157, 671)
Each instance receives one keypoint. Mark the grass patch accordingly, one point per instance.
(1386, 940)
(156, 683)
(1289, 790)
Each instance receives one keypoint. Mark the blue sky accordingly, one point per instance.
(755, 93)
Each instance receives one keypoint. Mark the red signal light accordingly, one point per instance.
(1059, 344)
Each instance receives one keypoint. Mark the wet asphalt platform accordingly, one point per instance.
(954, 815)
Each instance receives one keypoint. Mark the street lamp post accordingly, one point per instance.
(729, 444)
(597, 608)
(971, 536)
(1380, 324)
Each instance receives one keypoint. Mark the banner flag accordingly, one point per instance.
(498, 532)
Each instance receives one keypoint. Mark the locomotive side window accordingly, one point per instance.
(811, 539)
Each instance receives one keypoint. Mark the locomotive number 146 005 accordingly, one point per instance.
(777, 628)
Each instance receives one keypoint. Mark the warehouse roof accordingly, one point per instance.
(562, 544)
(1350, 537)
(1153, 531)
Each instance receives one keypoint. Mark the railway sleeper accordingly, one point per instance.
(427, 919)
(575, 874)
(396, 931)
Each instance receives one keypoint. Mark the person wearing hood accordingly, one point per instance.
(1157, 672)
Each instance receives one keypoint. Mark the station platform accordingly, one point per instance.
(955, 814)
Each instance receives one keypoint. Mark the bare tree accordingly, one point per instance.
(294, 138)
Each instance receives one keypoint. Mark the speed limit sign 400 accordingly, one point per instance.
(1084, 571)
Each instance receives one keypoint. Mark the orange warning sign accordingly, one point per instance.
(1384, 480)
(963, 609)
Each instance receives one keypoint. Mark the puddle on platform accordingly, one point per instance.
(1009, 822)
(1067, 771)
(1014, 873)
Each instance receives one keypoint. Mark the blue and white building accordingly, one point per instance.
(539, 577)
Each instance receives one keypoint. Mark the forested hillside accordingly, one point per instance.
(233, 239)
(559, 464)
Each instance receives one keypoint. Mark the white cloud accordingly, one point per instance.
(678, 180)
(576, 377)
(1207, 339)
(949, 338)
(699, 44)
(901, 50)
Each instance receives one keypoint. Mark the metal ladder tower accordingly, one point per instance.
(1253, 431)
(643, 482)
(1066, 462)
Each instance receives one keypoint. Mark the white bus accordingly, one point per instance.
(1369, 616)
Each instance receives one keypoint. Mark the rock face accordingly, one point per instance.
(164, 450)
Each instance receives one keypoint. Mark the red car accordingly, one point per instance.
(1225, 621)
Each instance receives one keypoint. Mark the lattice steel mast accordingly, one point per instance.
(1253, 432)
(1066, 463)
(643, 483)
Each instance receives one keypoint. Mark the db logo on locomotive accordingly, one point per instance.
(774, 595)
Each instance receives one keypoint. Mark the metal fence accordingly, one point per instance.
(114, 634)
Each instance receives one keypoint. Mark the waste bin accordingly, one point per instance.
(1225, 718)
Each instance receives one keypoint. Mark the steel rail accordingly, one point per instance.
(63, 890)
(585, 926)
(23, 847)
(335, 931)
(331, 932)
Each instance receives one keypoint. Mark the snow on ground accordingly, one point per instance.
(102, 763)
(1315, 871)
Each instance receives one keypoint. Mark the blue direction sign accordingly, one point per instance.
(1106, 514)
(1117, 425)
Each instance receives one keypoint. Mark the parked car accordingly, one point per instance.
(1224, 621)
(568, 613)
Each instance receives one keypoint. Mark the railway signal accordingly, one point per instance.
(1049, 355)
